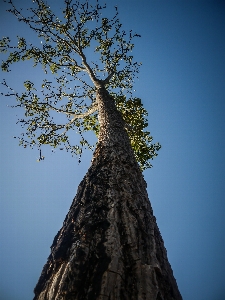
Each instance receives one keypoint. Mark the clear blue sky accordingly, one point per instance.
(182, 84)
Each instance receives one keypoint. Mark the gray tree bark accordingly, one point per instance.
(109, 246)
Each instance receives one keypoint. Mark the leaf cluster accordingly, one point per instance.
(135, 117)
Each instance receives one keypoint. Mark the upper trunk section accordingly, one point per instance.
(112, 126)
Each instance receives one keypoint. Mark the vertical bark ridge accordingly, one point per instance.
(109, 247)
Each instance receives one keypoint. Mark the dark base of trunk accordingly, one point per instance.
(109, 246)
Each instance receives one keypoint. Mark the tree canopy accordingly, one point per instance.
(83, 49)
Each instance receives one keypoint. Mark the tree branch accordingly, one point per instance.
(106, 81)
(91, 110)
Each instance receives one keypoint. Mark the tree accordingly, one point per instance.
(109, 246)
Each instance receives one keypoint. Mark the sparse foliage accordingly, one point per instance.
(83, 50)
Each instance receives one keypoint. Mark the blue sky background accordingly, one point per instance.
(182, 85)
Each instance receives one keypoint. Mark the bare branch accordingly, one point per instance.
(106, 81)
(91, 110)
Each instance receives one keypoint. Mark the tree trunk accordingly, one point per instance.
(109, 246)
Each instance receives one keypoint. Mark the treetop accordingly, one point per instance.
(84, 50)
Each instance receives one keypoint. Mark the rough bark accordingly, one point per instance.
(109, 246)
